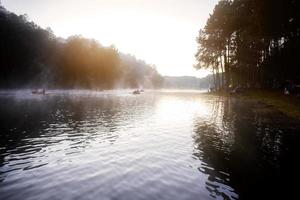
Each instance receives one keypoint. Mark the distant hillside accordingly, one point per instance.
(188, 82)
(33, 57)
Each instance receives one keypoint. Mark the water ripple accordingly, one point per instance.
(114, 145)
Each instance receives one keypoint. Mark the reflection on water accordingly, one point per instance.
(158, 145)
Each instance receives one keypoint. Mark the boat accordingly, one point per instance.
(136, 92)
(39, 91)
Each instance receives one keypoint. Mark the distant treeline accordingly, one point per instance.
(256, 43)
(34, 57)
(188, 82)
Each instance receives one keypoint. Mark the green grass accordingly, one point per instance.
(287, 104)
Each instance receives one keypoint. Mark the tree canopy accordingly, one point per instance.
(251, 42)
(31, 56)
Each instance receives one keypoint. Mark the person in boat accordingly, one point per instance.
(39, 91)
(136, 92)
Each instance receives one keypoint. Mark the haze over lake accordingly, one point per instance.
(157, 145)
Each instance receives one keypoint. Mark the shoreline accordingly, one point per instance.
(286, 104)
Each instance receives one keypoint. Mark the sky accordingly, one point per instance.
(161, 32)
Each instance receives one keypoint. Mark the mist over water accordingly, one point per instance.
(158, 145)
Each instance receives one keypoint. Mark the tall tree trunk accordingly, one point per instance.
(214, 77)
(218, 76)
(228, 60)
(222, 70)
(226, 68)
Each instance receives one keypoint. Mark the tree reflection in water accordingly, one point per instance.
(247, 150)
(124, 145)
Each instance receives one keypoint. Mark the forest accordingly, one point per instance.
(252, 44)
(33, 57)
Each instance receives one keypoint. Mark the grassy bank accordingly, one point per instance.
(287, 104)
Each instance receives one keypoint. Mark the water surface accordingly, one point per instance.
(157, 145)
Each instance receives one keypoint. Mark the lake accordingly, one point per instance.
(157, 145)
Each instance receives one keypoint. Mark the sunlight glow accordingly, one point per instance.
(162, 33)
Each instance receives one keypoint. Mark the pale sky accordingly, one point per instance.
(161, 32)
